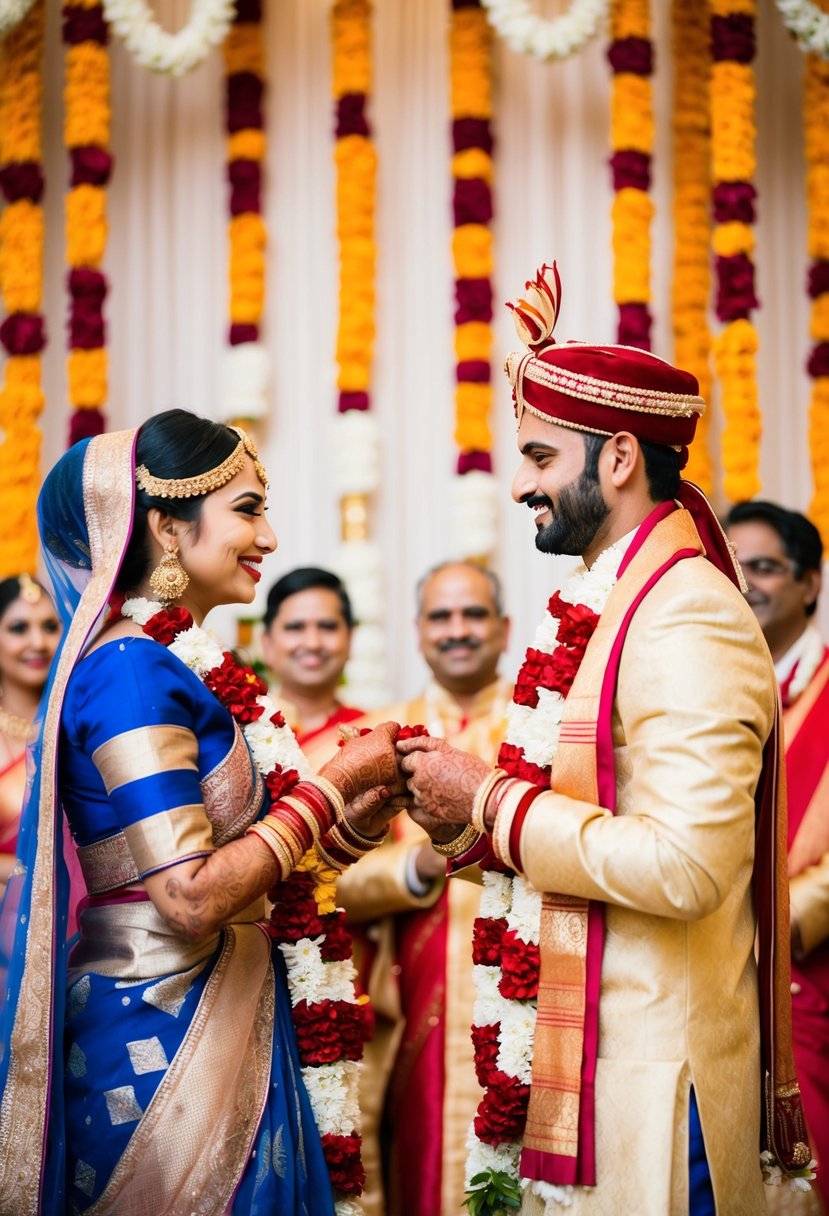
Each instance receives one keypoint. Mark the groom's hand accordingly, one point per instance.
(443, 781)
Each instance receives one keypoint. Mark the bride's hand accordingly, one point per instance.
(372, 812)
(366, 762)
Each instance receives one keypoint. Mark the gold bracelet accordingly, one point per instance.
(331, 794)
(277, 846)
(328, 860)
(459, 844)
(482, 794)
(500, 836)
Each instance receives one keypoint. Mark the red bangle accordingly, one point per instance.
(517, 824)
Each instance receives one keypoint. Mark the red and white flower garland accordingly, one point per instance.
(506, 934)
(330, 1021)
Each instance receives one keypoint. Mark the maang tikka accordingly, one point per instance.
(169, 579)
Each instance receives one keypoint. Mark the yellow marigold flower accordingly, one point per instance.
(21, 256)
(817, 195)
(351, 40)
(473, 435)
(247, 232)
(472, 251)
(354, 376)
(733, 238)
(728, 8)
(87, 374)
(248, 144)
(86, 226)
(630, 19)
(819, 449)
(631, 113)
(473, 341)
(244, 49)
(733, 129)
(86, 96)
(819, 318)
(472, 163)
(632, 212)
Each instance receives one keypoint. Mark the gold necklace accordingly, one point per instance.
(14, 726)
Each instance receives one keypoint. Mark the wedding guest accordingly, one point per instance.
(29, 633)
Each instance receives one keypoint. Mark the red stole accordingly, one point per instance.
(806, 729)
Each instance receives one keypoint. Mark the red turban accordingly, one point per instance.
(606, 389)
(603, 389)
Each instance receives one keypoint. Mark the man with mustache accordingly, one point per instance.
(781, 555)
(416, 929)
(629, 1046)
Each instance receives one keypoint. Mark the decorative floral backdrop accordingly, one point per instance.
(167, 249)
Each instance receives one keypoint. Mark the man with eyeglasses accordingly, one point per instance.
(780, 552)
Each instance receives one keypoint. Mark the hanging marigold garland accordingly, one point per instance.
(632, 127)
(734, 134)
(816, 138)
(86, 131)
(246, 365)
(356, 442)
(21, 285)
(474, 506)
(691, 286)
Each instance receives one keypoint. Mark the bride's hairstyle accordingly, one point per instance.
(173, 444)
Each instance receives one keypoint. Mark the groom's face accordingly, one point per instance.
(554, 481)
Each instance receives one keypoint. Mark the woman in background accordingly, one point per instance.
(29, 633)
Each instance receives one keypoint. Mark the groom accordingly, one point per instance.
(636, 790)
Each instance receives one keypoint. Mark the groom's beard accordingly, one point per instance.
(581, 512)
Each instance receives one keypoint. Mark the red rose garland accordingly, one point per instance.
(328, 1031)
(506, 958)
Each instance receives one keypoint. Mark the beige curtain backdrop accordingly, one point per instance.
(166, 262)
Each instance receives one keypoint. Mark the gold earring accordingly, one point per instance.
(169, 579)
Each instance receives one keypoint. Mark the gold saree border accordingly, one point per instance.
(108, 495)
(145, 751)
(194, 1139)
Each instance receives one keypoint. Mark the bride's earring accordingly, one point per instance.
(169, 579)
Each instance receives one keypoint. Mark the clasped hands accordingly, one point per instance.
(378, 776)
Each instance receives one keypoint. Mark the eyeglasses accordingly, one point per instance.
(767, 567)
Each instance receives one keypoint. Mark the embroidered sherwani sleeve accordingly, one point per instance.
(694, 707)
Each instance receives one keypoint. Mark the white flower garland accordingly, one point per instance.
(808, 24)
(473, 514)
(12, 13)
(536, 730)
(559, 38)
(811, 657)
(173, 54)
(333, 1089)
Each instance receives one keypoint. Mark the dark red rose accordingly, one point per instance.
(487, 934)
(502, 1112)
(237, 688)
(577, 626)
(520, 962)
(559, 676)
(412, 732)
(278, 719)
(167, 624)
(342, 1156)
(485, 1042)
(337, 945)
(280, 781)
(292, 921)
(327, 1031)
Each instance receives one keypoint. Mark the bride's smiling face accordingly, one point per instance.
(222, 550)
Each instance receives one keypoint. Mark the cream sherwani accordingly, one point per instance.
(679, 1005)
